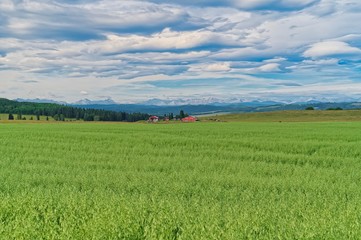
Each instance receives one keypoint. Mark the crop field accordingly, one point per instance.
(180, 181)
(290, 116)
(4, 118)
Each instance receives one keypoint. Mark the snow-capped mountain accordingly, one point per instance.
(189, 101)
(39, 100)
(107, 101)
(207, 101)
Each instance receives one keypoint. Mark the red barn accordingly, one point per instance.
(189, 119)
(153, 119)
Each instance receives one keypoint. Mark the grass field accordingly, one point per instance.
(5, 117)
(289, 116)
(180, 181)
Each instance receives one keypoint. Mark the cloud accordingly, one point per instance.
(165, 40)
(277, 5)
(331, 48)
(270, 67)
(272, 4)
(73, 47)
(212, 67)
(91, 19)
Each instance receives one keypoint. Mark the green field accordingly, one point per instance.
(180, 181)
(4, 118)
(289, 116)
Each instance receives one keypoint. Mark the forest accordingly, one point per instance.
(61, 112)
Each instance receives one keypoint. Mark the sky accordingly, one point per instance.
(132, 51)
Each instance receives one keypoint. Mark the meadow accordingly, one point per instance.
(180, 181)
(4, 118)
(289, 116)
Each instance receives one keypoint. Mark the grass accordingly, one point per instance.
(180, 181)
(4, 118)
(289, 116)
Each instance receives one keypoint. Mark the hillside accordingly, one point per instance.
(289, 116)
(61, 112)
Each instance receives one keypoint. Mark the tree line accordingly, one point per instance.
(61, 112)
(171, 116)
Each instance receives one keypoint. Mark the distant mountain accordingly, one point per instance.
(188, 101)
(107, 101)
(258, 103)
(206, 101)
(39, 100)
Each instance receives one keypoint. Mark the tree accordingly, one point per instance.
(37, 117)
(309, 108)
(56, 111)
(181, 114)
(11, 117)
(335, 109)
(47, 118)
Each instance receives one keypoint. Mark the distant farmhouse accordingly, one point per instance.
(189, 119)
(153, 119)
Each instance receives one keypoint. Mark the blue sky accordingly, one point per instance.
(132, 51)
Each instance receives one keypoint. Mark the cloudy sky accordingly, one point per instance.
(132, 50)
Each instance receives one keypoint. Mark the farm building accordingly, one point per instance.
(153, 119)
(189, 119)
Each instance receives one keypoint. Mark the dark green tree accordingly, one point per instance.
(56, 110)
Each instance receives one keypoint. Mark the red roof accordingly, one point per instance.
(189, 119)
(154, 117)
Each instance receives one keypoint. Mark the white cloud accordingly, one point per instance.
(275, 60)
(218, 67)
(270, 67)
(211, 67)
(272, 4)
(114, 43)
(7, 5)
(330, 48)
(323, 62)
(165, 40)
(277, 5)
